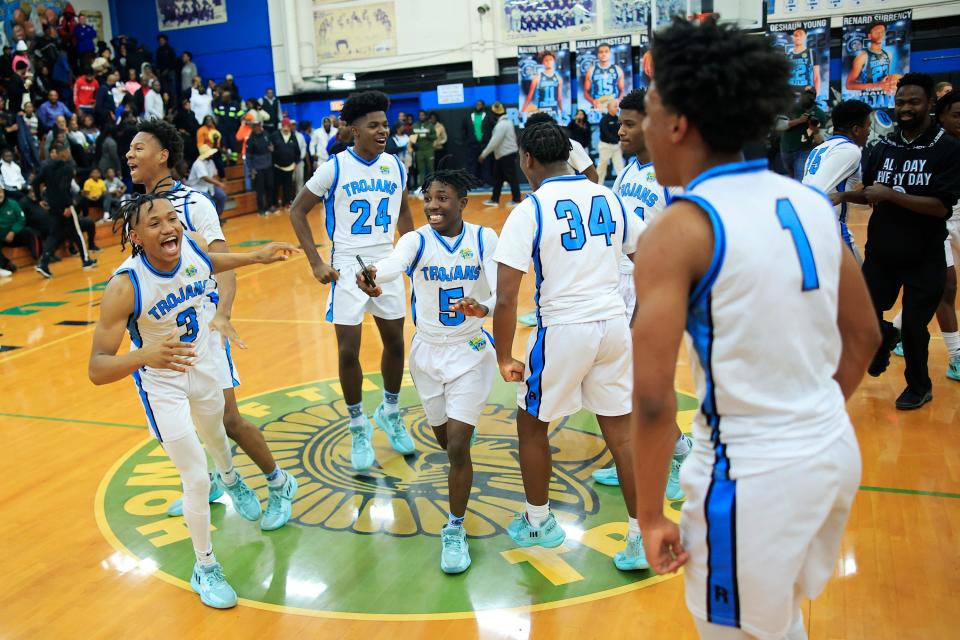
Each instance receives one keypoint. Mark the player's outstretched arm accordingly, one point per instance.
(273, 252)
(405, 218)
(505, 322)
(303, 204)
(227, 290)
(105, 365)
(857, 321)
(671, 256)
(924, 205)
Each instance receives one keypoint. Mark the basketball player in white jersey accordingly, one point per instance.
(365, 196)
(452, 361)
(579, 159)
(742, 258)
(834, 166)
(154, 151)
(575, 231)
(645, 198)
(158, 296)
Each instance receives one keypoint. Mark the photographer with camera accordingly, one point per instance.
(802, 133)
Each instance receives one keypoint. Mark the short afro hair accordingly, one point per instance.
(944, 103)
(546, 142)
(849, 114)
(634, 101)
(538, 118)
(360, 104)
(922, 80)
(168, 137)
(709, 73)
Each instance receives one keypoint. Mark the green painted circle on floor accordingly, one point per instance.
(366, 545)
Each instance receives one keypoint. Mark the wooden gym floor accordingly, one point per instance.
(78, 568)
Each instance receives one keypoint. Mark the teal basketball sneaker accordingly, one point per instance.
(454, 553)
(392, 425)
(607, 477)
(245, 501)
(213, 587)
(674, 492)
(898, 350)
(279, 504)
(361, 449)
(216, 490)
(632, 558)
(953, 369)
(549, 534)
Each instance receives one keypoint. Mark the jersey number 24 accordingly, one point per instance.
(362, 207)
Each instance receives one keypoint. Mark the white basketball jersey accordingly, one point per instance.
(763, 320)
(444, 270)
(834, 167)
(576, 232)
(166, 302)
(362, 201)
(198, 214)
(641, 195)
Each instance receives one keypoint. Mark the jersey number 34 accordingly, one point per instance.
(600, 222)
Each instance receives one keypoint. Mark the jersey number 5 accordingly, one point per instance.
(362, 207)
(790, 221)
(188, 318)
(601, 222)
(448, 317)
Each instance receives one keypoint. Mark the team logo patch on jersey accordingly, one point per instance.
(191, 270)
(651, 177)
(466, 253)
(384, 169)
(478, 344)
(394, 512)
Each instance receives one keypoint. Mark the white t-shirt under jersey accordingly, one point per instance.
(575, 231)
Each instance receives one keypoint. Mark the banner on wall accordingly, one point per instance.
(604, 74)
(176, 14)
(806, 43)
(626, 15)
(645, 67)
(15, 13)
(544, 78)
(876, 54)
(366, 31)
(665, 10)
(525, 17)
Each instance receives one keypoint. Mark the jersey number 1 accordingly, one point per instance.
(790, 221)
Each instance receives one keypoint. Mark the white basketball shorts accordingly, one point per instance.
(226, 370)
(628, 292)
(169, 400)
(571, 367)
(453, 380)
(759, 543)
(346, 304)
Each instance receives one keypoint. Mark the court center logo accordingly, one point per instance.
(382, 526)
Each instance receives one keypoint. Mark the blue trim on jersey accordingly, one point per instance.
(233, 371)
(359, 159)
(443, 241)
(537, 266)
(844, 229)
(145, 399)
(416, 258)
(719, 247)
(821, 193)
(413, 305)
(489, 337)
(329, 200)
(203, 254)
(132, 327)
(403, 177)
(839, 137)
(186, 212)
(157, 272)
(731, 168)
(564, 178)
(623, 210)
(480, 242)
(537, 362)
(333, 292)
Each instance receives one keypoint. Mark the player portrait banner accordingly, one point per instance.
(876, 54)
(365, 31)
(665, 10)
(806, 43)
(604, 74)
(176, 14)
(556, 17)
(544, 78)
(626, 15)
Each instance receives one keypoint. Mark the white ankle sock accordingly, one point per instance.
(898, 321)
(206, 558)
(683, 446)
(356, 414)
(633, 527)
(229, 477)
(537, 515)
(952, 340)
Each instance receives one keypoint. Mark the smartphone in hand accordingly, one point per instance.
(366, 273)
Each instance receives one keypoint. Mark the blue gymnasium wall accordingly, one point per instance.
(240, 46)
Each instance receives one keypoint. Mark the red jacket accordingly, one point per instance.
(85, 93)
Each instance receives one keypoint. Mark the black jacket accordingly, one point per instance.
(284, 153)
(166, 58)
(274, 110)
(259, 152)
(56, 175)
(105, 108)
(610, 129)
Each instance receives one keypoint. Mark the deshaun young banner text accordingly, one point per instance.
(876, 54)
(806, 44)
(544, 79)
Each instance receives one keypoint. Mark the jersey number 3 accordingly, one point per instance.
(188, 318)
(790, 221)
(360, 226)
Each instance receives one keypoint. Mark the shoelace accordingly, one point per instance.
(453, 540)
(360, 439)
(273, 503)
(243, 491)
(396, 426)
(215, 577)
(634, 546)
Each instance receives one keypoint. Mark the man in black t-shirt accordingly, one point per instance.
(912, 179)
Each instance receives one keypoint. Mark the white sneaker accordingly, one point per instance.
(4, 273)
(490, 203)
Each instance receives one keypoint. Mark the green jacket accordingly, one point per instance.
(424, 132)
(792, 140)
(11, 217)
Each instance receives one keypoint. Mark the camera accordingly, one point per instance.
(483, 8)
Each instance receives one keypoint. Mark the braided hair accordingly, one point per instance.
(128, 215)
(546, 142)
(461, 181)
